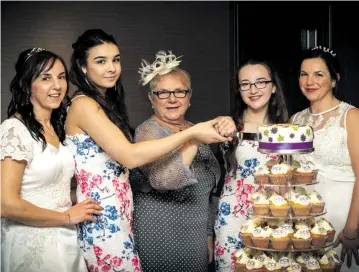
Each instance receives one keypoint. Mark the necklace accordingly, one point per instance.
(323, 112)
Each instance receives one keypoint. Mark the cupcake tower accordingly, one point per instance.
(286, 229)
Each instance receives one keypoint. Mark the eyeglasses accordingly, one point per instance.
(259, 85)
(167, 94)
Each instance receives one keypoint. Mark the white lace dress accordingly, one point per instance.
(331, 156)
(46, 184)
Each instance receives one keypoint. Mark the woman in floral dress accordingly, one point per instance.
(99, 136)
(259, 101)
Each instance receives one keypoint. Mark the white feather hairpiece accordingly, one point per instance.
(163, 64)
(325, 50)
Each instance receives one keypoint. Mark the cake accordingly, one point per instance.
(285, 137)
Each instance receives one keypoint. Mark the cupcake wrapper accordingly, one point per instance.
(303, 178)
(317, 207)
(260, 242)
(280, 244)
(319, 241)
(301, 243)
(279, 179)
(246, 240)
(301, 211)
(331, 235)
(279, 211)
(260, 209)
(262, 179)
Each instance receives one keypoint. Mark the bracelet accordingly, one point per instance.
(350, 239)
(68, 215)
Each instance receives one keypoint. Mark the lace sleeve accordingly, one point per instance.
(16, 141)
(169, 172)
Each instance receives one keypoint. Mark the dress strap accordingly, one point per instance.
(67, 109)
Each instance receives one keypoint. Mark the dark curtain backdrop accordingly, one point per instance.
(199, 31)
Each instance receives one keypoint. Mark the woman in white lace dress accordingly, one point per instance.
(38, 230)
(335, 124)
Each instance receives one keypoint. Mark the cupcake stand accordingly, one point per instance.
(291, 245)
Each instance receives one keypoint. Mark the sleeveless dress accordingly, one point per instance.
(234, 207)
(331, 157)
(108, 244)
(46, 184)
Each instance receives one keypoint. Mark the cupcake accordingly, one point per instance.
(260, 204)
(261, 256)
(302, 224)
(273, 266)
(261, 174)
(253, 265)
(279, 239)
(302, 239)
(303, 258)
(285, 260)
(260, 237)
(279, 174)
(242, 257)
(303, 174)
(288, 228)
(333, 257)
(317, 202)
(301, 205)
(278, 205)
(319, 236)
(328, 227)
(313, 265)
(289, 196)
(326, 264)
(294, 267)
(246, 232)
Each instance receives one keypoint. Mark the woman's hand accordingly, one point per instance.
(226, 126)
(205, 132)
(350, 246)
(210, 249)
(83, 211)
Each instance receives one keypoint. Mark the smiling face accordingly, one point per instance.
(255, 97)
(50, 87)
(315, 81)
(172, 109)
(103, 67)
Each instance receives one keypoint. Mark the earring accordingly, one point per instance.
(88, 83)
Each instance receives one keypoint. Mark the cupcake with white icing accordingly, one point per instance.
(261, 174)
(247, 231)
(317, 202)
(327, 264)
(278, 205)
(313, 265)
(328, 227)
(279, 239)
(279, 174)
(319, 236)
(260, 237)
(254, 265)
(294, 267)
(302, 239)
(304, 174)
(273, 266)
(301, 205)
(260, 203)
(242, 256)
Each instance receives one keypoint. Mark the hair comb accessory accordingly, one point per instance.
(324, 49)
(33, 52)
(163, 64)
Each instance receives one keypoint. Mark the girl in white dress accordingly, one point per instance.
(259, 100)
(38, 230)
(336, 155)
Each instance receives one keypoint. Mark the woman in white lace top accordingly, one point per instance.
(38, 230)
(335, 124)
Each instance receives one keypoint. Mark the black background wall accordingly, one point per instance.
(197, 30)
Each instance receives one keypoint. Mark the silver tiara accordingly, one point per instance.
(33, 52)
(162, 65)
(331, 52)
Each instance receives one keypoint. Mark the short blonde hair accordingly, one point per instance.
(175, 72)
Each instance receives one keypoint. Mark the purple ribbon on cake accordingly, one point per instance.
(285, 146)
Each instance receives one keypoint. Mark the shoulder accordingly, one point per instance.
(14, 126)
(352, 118)
(150, 129)
(83, 104)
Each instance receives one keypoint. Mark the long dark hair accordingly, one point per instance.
(113, 103)
(30, 64)
(277, 109)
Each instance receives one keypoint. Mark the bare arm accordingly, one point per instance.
(19, 210)
(86, 115)
(352, 223)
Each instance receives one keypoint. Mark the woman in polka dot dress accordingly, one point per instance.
(173, 214)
